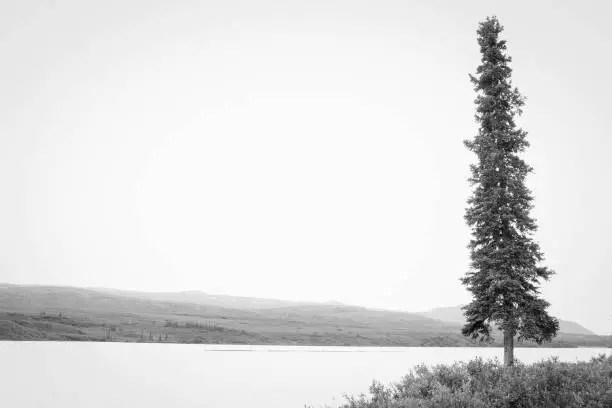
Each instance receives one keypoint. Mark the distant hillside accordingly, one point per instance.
(65, 313)
(235, 302)
(85, 301)
(455, 315)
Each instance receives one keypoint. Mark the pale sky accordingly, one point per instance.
(304, 150)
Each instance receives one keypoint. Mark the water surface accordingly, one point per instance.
(81, 375)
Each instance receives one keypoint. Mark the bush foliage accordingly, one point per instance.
(488, 384)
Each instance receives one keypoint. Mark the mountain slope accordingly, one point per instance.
(455, 315)
(202, 298)
(65, 313)
(49, 312)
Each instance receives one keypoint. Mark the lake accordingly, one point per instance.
(75, 375)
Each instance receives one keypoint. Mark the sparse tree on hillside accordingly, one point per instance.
(504, 272)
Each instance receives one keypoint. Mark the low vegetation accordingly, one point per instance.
(488, 384)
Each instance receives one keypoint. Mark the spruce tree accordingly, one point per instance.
(505, 270)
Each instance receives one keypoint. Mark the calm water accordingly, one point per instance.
(67, 375)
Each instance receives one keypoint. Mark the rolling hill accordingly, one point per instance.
(67, 313)
(455, 315)
(198, 297)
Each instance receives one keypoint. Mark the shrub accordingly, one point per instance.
(484, 384)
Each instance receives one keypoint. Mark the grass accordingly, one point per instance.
(214, 328)
(487, 384)
(60, 327)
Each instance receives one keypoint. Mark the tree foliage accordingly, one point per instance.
(505, 269)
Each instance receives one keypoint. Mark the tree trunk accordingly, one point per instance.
(508, 348)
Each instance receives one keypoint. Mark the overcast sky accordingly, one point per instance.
(298, 150)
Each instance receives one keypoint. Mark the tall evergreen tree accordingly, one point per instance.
(504, 273)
